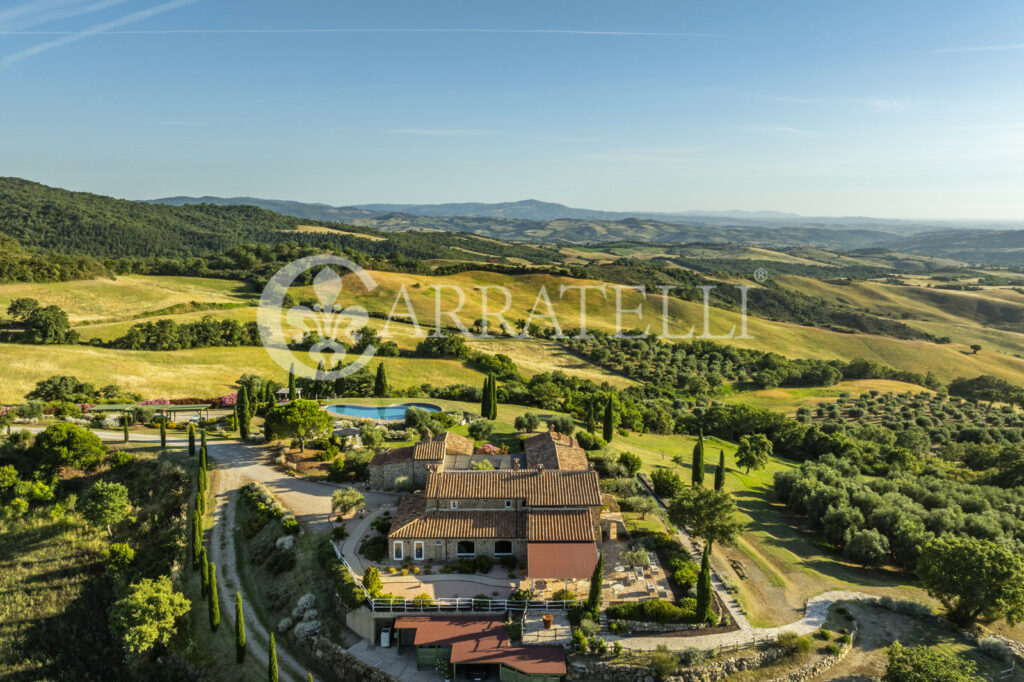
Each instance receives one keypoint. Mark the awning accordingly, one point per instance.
(561, 560)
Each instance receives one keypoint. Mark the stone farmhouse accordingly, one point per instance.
(541, 507)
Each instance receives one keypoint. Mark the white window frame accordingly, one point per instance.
(454, 504)
(461, 555)
(398, 551)
(508, 504)
(417, 545)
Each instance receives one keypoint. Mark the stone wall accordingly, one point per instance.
(383, 476)
(344, 665)
(608, 671)
(645, 626)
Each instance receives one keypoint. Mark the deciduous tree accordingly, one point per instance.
(106, 504)
(754, 452)
(300, 419)
(147, 614)
(708, 514)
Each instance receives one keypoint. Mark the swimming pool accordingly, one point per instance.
(389, 413)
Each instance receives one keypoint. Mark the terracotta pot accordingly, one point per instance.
(548, 620)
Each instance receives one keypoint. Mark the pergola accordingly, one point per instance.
(202, 409)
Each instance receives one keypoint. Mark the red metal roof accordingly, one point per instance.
(482, 640)
(560, 560)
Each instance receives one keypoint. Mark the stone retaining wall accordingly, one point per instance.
(607, 671)
(343, 664)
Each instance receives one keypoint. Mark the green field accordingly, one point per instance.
(787, 400)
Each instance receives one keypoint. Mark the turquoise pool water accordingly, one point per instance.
(389, 413)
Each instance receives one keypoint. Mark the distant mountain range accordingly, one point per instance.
(532, 210)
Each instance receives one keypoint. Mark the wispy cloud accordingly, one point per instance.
(983, 48)
(105, 27)
(441, 132)
(527, 31)
(774, 129)
(882, 104)
(43, 12)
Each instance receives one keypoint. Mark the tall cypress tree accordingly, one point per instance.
(197, 538)
(191, 440)
(202, 437)
(205, 565)
(704, 596)
(214, 601)
(591, 422)
(380, 382)
(272, 664)
(493, 414)
(163, 432)
(291, 383)
(242, 407)
(200, 502)
(596, 583)
(698, 460)
(239, 629)
(202, 456)
(720, 471)
(319, 384)
(125, 420)
(268, 394)
(485, 400)
(607, 425)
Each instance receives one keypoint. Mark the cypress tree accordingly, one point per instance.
(197, 538)
(214, 601)
(202, 456)
(242, 408)
(485, 400)
(704, 596)
(202, 437)
(380, 382)
(494, 399)
(319, 384)
(291, 383)
(591, 421)
(720, 471)
(698, 461)
(200, 502)
(163, 432)
(268, 394)
(608, 425)
(239, 629)
(191, 440)
(205, 565)
(125, 420)
(596, 583)
(272, 664)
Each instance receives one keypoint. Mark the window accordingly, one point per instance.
(455, 504)
(417, 550)
(465, 548)
(508, 504)
(437, 543)
(502, 548)
(399, 553)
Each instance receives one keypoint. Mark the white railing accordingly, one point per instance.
(467, 604)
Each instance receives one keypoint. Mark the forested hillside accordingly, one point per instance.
(81, 223)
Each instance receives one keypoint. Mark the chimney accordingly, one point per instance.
(515, 463)
(540, 467)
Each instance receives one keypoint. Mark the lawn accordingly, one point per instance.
(127, 296)
(786, 563)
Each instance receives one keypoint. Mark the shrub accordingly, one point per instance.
(833, 649)
(823, 634)
(281, 562)
(793, 643)
(694, 656)
(484, 563)
(654, 611)
(339, 533)
(996, 648)
(617, 649)
(845, 638)
(465, 565)
(664, 662)
(290, 526)
(590, 441)
(374, 548)
(579, 641)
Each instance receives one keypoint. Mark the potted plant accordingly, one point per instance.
(445, 668)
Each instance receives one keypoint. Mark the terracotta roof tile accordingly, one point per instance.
(393, 455)
(428, 449)
(554, 450)
(455, 444)
(410, 508)
(540, 488)
(458, 524)
(572, 525)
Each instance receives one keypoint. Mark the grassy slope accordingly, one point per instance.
(201, 372)
(125, 297)
(787, 400)
(786, 564)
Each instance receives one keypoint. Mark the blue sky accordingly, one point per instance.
(891, 109)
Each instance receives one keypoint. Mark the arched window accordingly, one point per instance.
(502, 548)
(465, 548)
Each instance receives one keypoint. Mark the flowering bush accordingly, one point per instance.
(228, 400)
(156, 401)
